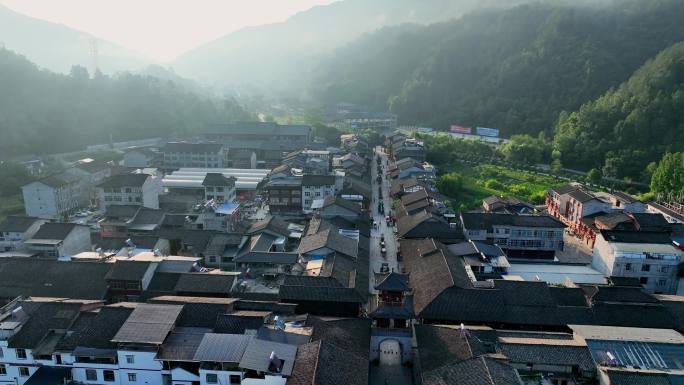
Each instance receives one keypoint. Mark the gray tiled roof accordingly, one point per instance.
(43, 320)
(331, 239)
(83, 280)
(222, 347)
(182, 344)
(256, 356)
(238, 323)
(128, 270)
(476, 371)
(204, 283)
(124, 180)
(563, 355)
(148, 323)
(17, 224)
(218, 179)
(98, 330)
(54, 231)
(485, 221)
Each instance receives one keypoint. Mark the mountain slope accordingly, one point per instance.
(276, 55)
(631, 126)
(57, 47)
(47, 112)
(515, 69)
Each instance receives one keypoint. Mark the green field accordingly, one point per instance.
(482, 181)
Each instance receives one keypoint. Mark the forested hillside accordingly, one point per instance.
(631, 126)
(514, 69)
(44, 112)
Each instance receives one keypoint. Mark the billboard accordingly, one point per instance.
(484, 131)
(455, 128)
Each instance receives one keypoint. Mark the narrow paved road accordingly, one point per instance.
(376, 257)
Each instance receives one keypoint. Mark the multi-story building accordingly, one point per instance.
(130, 189)
(91, 173)
(218, 187)
(269, 141)
(648, 256)
(54, 197)
(285, 195)
(15, 230)
(200, 155)
(317, 187)
(57, 240)
(141, 158)
(520, 236)
(572, 204)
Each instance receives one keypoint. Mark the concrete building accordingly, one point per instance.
(317, 187)
(15, 230)
(285, 195)
(183, 154)
(648, 256)
(141, 158)
(269, 141)
(130, 189)
(59, 240)
(54, 197)
(218, 187)
(189, 180)
(520, 236)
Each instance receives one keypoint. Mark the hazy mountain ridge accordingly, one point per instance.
(276, 55)
(57, 47)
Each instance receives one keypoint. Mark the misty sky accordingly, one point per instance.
(161, 29)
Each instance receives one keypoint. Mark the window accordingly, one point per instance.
(132, 377)
(212, 259)
(130, 359)
(234, 379)
(628, 266)
(137, 199)
(645, 267)
(108, 375)
(643, 280)
(21, 354)
(91, 374)
(24, 371)
(1, 353)
(663, 269)
(212, 378)
(662, 282)
(128, 190)
(3, 370)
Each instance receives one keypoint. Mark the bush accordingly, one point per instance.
(494, 184)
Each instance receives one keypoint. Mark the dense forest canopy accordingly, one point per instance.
(514, 69)
(629, 127)
(44, 112)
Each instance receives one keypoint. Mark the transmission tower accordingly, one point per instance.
(95, 55)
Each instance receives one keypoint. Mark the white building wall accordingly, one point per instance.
(151, 190)
(40, 201)
(76, 242)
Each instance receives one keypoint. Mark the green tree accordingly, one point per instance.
(450, 184)
(594, 176)
(668, 177)
(526, 149)
(328, 134)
